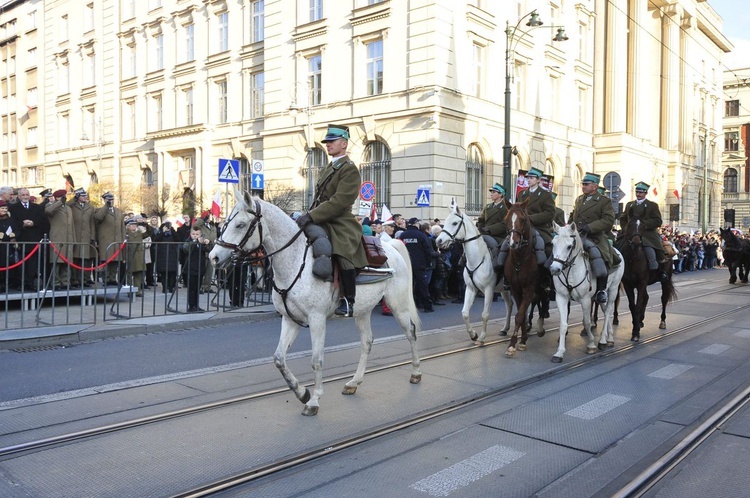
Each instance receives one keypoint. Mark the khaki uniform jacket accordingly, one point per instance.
(493, 219)
(559, 216)
(541, 210)
(650, 215)
(110, 232)
(599, 215)
(61, 231)
(335, 192)
(136, 257)
(85, 228)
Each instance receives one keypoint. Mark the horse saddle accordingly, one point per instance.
(492, 245)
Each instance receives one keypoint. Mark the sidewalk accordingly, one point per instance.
(73, 320)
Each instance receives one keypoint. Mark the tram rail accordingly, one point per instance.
(351, 441)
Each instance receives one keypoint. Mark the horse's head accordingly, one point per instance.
(519, 225)
(566, 246)
(242, 232)
(634, 231)
(455, 228)
(729, 239)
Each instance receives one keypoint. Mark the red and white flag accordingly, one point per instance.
(373, 213)
(386, 214)
(677, 194)
(216, 205)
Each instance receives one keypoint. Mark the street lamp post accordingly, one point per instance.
(510, 42)
(704, 225)
(293, 110)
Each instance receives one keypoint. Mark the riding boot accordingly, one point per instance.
(348, 282)
(499, 265)
(663, 276)
(601, 290)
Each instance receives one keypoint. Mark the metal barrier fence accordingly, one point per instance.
(47, 284)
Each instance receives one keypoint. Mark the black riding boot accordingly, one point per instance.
(601, 290)
(348, 282)
(663, 276)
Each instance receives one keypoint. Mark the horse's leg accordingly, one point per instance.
(586, 305)
(664, 301)
(615, 319)
(508, 310)
(563, 306)
(543, 312)
(469, 296)
(607, 337)
(406, 314)
(365, 344)
(520, 322)
(526, 328)
(645, 304)
(595, 318)
(289, 332)
(640, 308)
(317, 323)
(634, 314)
(489, 293)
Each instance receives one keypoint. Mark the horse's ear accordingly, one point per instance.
(247, 198)
(573, 227)
(556, 227)
(237, 194)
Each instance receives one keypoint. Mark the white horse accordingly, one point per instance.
(479, 274)
(301, 298)
(574, 281)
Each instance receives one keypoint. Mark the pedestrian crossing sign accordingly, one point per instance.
(229, 171)
(423, 197)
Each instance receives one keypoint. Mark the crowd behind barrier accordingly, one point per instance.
(43, 284)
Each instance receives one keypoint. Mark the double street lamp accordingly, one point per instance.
(511, 42)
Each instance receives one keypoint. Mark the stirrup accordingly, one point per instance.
(345, 309)
(601, 297)
(663, 277)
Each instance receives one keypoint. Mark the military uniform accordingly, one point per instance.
(650, 215)
(541, 211)
(598, 214)
(493, 219)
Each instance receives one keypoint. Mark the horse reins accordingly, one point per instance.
(454, 237)
(567, 265)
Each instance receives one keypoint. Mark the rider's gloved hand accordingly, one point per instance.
(584, 229)
(304, 220)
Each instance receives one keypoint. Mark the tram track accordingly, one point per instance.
(347, 442)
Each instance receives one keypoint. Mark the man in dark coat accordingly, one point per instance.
(196, 248)
(594, 216)
(29, 222)
(421, 255)
(650, 214)
(335, 192)
(167, 256)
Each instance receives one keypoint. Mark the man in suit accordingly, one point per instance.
(29, 223)
(85, 232)
(335, 192)
(650, 214)
(594, 216)
(491, 221)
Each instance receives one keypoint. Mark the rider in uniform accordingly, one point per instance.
(650, 215)
(559, 213)
(541, 211)
(335, 192)
(491, 223)
(594, 216)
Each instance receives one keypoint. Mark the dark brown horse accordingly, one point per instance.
(736, 255)
(638, 276)
(524, 275)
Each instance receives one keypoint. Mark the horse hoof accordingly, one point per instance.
(310, 411)
(415, 378)
(615, 321)
(635, 338)
(662, 325)
(583, 333)
(590, 350)
(349, 390)
(305, 397)
(610, 344)
(473, 336)
(601, 347)
(541, 333)
(556, 359)
(510, 352)
(503, 333)
(642, 326)
(479, 343)
(521, 347)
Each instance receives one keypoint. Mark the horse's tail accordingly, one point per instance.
(670, 290)
(413, 312)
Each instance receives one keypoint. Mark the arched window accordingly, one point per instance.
(314, 163)
(376, 168)
(730, 181)
(474, 179)
(93, 179)
(147, 178)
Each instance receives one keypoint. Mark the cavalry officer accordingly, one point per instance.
(650, 214)
(335, 192)
(491, 221)
(594, 216)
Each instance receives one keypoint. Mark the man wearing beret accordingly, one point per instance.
(594, 216)
(30, 225)
(110, 231)
(335, 192)
(62, 235)
(650, 214)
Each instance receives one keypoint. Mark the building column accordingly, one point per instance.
(670, 91)
(616, 67)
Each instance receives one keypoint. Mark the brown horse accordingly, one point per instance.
(638, 276)
(523, 274)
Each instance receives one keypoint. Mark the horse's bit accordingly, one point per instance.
(453, 236)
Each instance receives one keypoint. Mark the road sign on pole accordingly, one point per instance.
(423, 197)
(367, 191)
(229, 170)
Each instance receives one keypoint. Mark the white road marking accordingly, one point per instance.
(745, 334)
(597, 407)
(467, 471)
(714, 349)
(670, 371)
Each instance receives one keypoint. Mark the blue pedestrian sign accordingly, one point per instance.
(423, 197)
(256, 181)
(229, 171)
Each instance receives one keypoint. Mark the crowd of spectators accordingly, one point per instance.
(694, 252)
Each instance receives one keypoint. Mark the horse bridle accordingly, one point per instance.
(567, 264)
(454, 236)
(238, 249)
